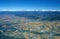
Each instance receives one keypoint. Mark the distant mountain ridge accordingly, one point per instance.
(47, 15)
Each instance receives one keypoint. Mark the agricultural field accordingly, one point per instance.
(24, 27)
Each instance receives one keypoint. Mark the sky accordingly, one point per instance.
(29, 4)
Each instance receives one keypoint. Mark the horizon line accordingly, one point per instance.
(28, 10)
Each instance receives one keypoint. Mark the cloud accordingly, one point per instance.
(28, 10)
(48, 10)
(8, 10)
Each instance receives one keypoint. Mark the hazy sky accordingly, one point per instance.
(30, 4)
